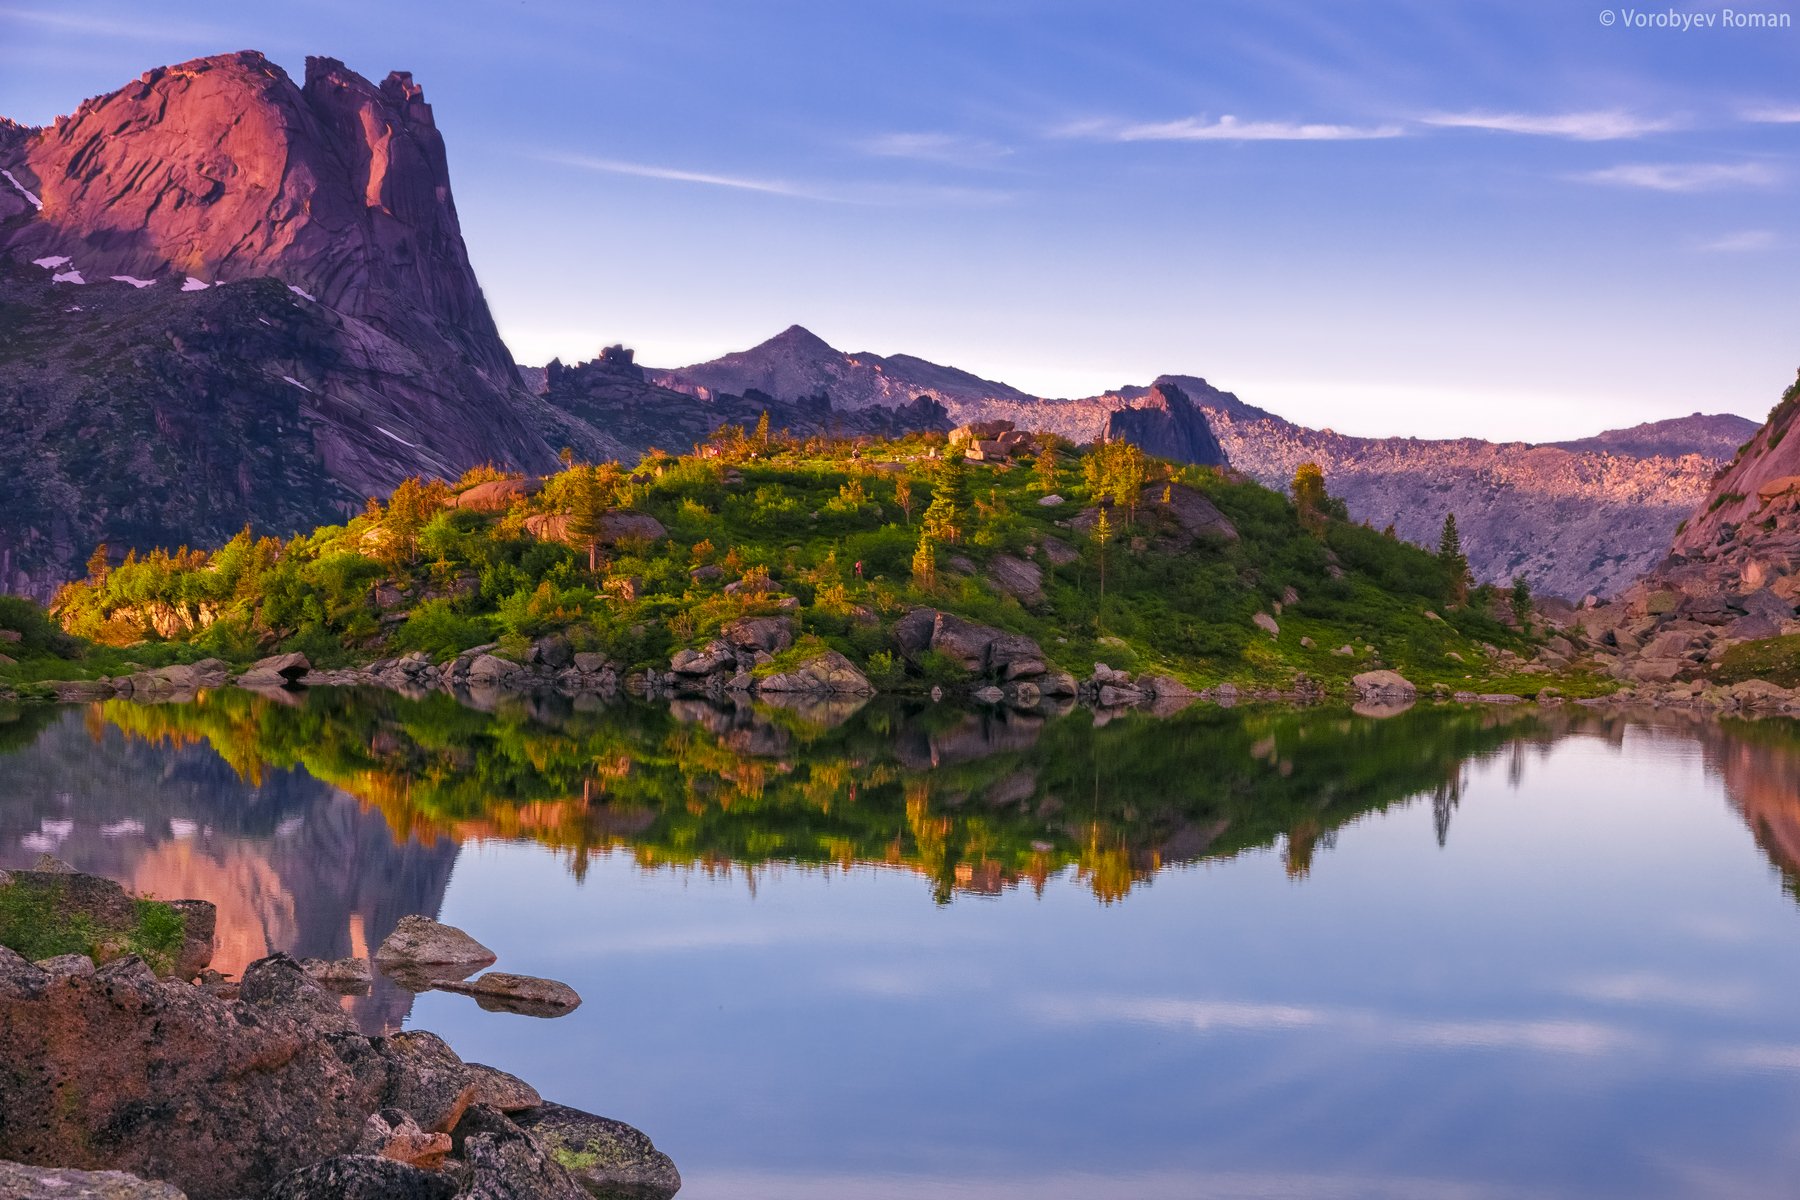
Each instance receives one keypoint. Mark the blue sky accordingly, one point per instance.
(1437, 218)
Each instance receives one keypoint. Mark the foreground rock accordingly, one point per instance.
(274, 1094)
(608, 1158)
(363, 1177)
(20, 1182)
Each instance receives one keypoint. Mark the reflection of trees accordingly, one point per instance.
(974, 801)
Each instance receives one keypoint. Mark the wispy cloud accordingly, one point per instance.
(101, 26)
(1597, 126)
(951, 148)
(876, 193)
(1552, 1035)
(1649, 989)
(1740, 243)
(1685, 177)
(1226, 129)
(1773, 114)
(612, 166)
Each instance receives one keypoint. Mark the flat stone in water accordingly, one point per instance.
(502, 991)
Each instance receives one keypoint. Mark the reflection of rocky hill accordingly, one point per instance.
(1759, 763)
(292, 863)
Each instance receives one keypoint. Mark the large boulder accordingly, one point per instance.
(116, 1070)
(427, 1080)
(506, 1163)
(610, 1159)
(420, 940)
(771, 635)
(498, 495)
(1383, 685)
(1018, 578)
(617, 526)
(716, 656)
(981, 650)
(826, 673)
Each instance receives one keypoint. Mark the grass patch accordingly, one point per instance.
(1776, 660)
(35, 922)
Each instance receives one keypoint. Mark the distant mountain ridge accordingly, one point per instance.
(1574, 517)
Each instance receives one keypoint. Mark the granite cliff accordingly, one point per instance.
(229, 297)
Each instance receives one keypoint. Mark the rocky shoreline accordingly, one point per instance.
(118, 1082)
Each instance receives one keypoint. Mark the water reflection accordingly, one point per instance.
(975, 801)
(1453, 951)
(316, 825)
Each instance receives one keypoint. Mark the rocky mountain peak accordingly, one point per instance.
(1165, 422)
(222, 168)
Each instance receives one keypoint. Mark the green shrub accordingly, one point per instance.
(440, 631)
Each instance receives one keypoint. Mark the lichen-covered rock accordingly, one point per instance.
(610, 1159)
(503, 1162)
(363, 1177)
(21, 1182)
(427, 1079)
(502, 1090)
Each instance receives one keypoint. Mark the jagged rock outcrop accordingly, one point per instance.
(1166, 423)
(276, 311)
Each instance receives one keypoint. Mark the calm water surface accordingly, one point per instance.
(898, 953)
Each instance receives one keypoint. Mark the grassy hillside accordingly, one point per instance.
(845, 539)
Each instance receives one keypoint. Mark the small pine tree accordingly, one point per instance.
(99, 565)
(924, 562)
(1045, 469)
(1450, 541)
(1450, 553)
(587, 513)
(762, 429)
(903, 496)
(1521, 598)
